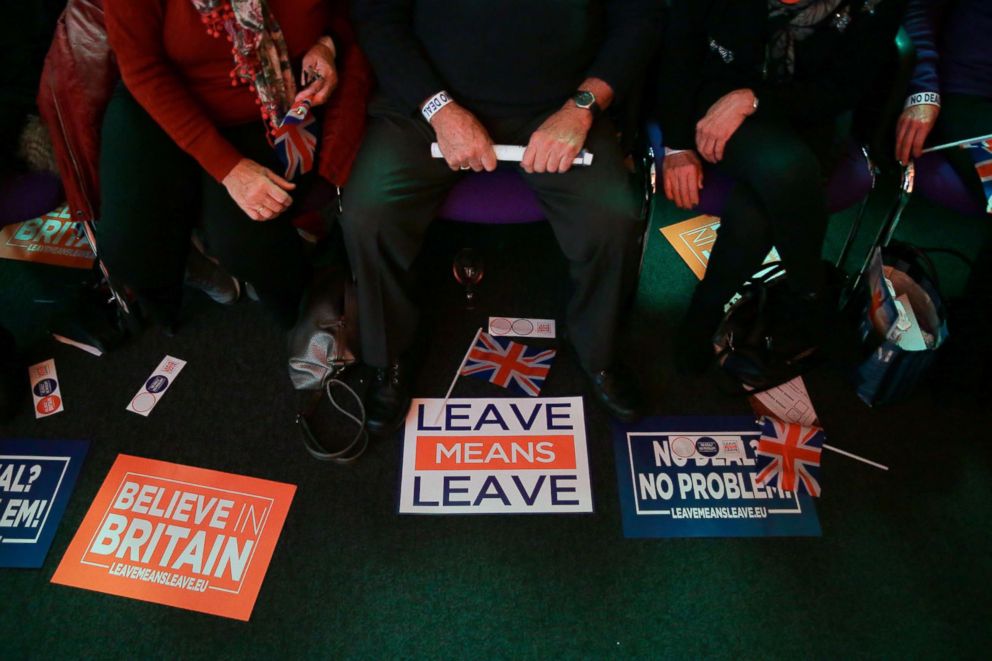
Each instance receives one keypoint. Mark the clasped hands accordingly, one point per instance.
(466, 144)
(261, 193)
(682, 172)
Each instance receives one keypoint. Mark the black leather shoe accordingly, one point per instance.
(388, 398)
(618, 394)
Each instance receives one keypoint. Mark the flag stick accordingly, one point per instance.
(958, 143)
(458, 373)
(855, 457)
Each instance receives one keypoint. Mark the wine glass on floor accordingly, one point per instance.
(468, 269)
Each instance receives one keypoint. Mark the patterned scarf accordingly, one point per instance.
(261, 58)
(801, 18)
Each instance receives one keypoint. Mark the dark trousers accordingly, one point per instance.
(779, 199)
(153, 194)
(396, 189)
(963, 116)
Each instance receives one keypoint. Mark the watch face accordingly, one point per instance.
(584, 99)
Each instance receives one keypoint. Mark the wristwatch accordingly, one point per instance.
(587, 101)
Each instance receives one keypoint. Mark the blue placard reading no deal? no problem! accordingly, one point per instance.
(697, 477)
(36, 480)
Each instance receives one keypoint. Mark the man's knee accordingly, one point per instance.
(362, 216)
(786, 169)
(613, 221)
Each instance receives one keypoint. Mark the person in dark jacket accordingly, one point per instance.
(475, 73)
(952, 81)
(950, 99)
(758, 87)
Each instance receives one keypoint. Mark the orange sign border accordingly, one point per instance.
(675, 234)
(73, 572)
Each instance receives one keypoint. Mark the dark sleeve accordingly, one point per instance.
(922, 23)
(632, 30)
(680, 74)
(847, 77)
(385, 32)
(344, 114)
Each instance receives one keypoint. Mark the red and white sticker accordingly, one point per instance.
(155, 386)
(45, 389)
(520, 327)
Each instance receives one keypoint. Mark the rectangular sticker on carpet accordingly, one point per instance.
(36, 481)
(504, 456)
(50, 239)
(697, 477)
(177, 535)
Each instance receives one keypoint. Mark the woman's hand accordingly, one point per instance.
(915, 124)
(721, 121)
(320, 72)
(259, 191)
(683, 176)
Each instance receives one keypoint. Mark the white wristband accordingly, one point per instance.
(435, 103)
(923, 98)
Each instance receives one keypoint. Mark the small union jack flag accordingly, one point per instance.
(508, 364)
(295, 140)
(789, 456)
(981, 152)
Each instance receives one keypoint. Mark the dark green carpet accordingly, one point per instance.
(902, 569)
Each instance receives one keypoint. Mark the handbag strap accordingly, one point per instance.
(356, 448)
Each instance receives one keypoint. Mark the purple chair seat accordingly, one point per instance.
(938, 181)
(849, 183)
(29, 196)
(494, 198)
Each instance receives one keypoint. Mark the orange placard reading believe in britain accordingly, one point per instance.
(177, 535)
(50, 239)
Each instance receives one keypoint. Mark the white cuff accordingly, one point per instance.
(669, 151)
(435, 103)
(923, 98)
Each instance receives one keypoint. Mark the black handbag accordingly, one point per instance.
(321, 349)
(749, 349)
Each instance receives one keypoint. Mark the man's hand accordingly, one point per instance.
(556, 143)
(915, 124)
(319, 62)
(683, 176)
(259, 191)
(464, 142)
(721, 122)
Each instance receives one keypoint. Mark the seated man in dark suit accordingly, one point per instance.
(475, 73)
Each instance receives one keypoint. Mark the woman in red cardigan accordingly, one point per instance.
(196, 132)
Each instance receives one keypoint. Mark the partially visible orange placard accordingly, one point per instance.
(50, 239)
(693, 240)
(177, 535)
